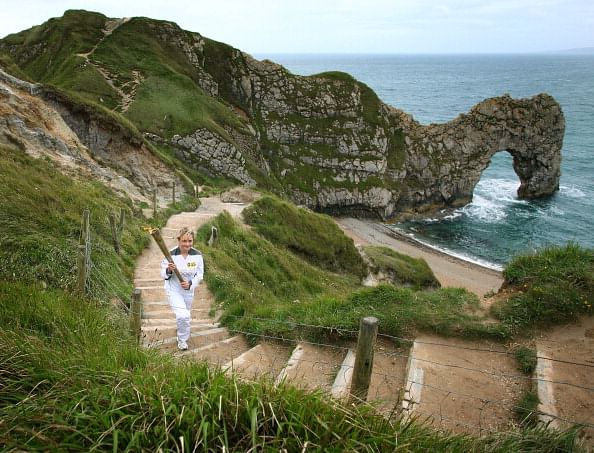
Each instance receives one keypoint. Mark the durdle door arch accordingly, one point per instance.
(445, 161)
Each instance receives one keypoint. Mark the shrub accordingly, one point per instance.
(553, 286)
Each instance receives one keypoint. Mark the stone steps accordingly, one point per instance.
(403, 378)
(263, 360)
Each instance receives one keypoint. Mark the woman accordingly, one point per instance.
(188, 261)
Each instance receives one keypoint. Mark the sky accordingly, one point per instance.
(262, 27)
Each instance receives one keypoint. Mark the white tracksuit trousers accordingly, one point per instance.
(181, 304)
(180, 300)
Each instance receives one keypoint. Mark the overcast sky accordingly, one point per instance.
(348, 26)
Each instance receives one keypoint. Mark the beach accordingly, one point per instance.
(449, 270)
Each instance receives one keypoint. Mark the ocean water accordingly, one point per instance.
(435, 89)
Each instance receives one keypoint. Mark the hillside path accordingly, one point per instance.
(464, 386)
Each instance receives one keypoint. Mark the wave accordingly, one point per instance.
(571, 191)
(492, 199)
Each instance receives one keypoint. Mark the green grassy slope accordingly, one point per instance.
(73, 379)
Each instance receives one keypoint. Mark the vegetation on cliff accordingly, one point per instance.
(72, 378)
(553, 286)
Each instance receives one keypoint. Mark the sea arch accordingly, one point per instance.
(445, 161)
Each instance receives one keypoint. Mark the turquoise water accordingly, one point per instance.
(435, 89)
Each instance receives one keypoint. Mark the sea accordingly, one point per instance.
(496, 225)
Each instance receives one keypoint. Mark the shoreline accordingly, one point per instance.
(415, 242)
(451, 271)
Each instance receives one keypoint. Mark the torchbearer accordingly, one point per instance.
(183, 270)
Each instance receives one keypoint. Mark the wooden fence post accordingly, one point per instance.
(154, 202)
(83, 254)
(114, 233)
(173, 192)
(136, 315)
(116, 229)
(364, 359)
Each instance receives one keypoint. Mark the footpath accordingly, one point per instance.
(457, 385)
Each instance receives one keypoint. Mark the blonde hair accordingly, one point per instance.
(182, 232)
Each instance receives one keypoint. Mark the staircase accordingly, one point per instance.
(405, 378)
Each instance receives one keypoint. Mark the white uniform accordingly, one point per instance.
(192, 270)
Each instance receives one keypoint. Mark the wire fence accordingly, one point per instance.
(450, 407)
(449, 404)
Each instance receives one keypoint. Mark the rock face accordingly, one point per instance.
(335, 147)
(326, 141)
(44, 124)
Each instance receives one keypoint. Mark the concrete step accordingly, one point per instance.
(263, 360)
(161, 332)
(152, 292)
(197, 339)
(312, 367)
(160, 306)
(196, 313)
(342, 382)
(148, 281)
(221, 352)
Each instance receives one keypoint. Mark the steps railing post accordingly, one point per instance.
(136, 314)
(364, 359)
(115, 235)
(84, 254)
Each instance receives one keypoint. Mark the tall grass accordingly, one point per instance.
(553, 286)
(315, 237)
(264, 289)
(403, 270)
(72, 379)
(40, 224)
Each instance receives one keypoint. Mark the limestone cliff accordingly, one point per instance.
(326, 141)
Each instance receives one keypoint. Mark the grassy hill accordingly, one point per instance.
(73, 379)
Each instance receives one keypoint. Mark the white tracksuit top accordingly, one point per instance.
(191, 268)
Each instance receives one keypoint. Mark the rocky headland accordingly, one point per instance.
(326, 141)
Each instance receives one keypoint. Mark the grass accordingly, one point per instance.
(551, 287)
(314, 237)
(527, 409)
(265, 289)
(72, 380)
(402, 270)
(56, 42)
(526, 358)
(40, 219)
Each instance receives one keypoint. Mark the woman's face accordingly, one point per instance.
(185, 243)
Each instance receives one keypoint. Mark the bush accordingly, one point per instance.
(554, 286)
